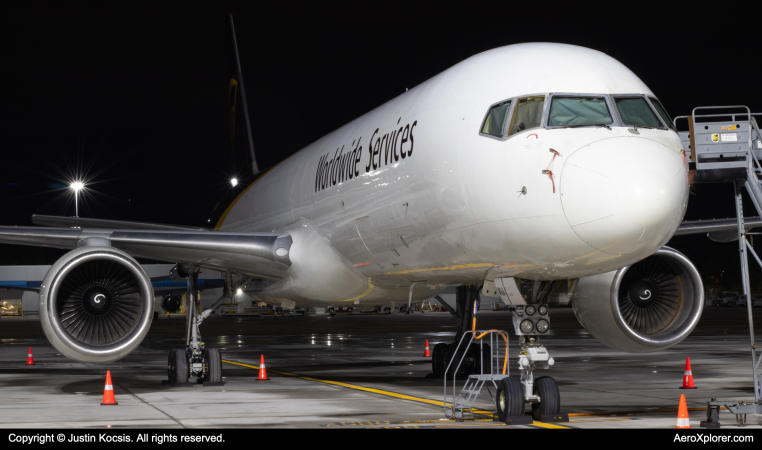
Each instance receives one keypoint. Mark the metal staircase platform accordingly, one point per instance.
(489, 371)
(726, 146)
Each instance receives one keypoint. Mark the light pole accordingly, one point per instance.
(76, 187)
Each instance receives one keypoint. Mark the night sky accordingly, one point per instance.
(134, 96)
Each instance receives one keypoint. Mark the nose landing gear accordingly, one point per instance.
(530, 322)
(469, 362)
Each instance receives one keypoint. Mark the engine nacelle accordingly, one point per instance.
(646, 307)
(171, 303)
(96, 304)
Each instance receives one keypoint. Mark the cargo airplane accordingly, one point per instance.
(522, 171)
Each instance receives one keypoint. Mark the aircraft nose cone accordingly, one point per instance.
(645, 197)
(624, 194)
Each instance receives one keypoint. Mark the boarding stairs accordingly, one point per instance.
(489, 371)
(725, 145)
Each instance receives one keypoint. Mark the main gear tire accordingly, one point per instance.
(171, 366)
(438, 362)
(180, 371)
(213, 362)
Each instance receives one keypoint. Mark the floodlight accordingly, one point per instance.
(76, 187)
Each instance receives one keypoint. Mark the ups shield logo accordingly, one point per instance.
(715, 138)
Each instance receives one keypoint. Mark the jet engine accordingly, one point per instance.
(646, 307)
(171, 303)
(96, 304)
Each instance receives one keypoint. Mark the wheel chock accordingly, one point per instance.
(561, 417)
(168, 382)
(709, 424)
(519, 420)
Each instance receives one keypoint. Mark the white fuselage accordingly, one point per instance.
(411, 192)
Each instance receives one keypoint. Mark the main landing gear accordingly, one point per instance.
(443, 353)
(195, 359)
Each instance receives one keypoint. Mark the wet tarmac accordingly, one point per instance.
(363, 371)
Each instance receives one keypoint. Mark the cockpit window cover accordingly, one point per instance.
(578, 111)
(527, 114)
(494, 123)
(662, 112)
(635, 111)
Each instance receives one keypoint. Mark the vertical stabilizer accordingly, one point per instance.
(254, 167)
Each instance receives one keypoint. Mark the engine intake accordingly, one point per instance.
(171, 303)
(96, 304)
(646, 307)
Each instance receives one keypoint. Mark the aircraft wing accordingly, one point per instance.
(719, 230)
(253, 254)
(85, 222)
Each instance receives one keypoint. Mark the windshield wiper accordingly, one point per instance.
(589, 125)
(645, 126)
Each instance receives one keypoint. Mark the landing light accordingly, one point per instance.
(239, 291)
(234, 182)
(77, 186)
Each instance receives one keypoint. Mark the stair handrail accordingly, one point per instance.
(475, 335)
(455, 372)
(755, 127)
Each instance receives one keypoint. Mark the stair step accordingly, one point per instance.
(469, 391)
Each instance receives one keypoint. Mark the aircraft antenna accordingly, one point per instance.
(254, 167)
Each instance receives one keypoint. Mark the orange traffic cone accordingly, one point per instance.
(108, 391)
(262, 370)
(29, 359)
(426, 350)
(688, 376)
(682, 414)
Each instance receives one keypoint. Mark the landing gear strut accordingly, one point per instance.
(195, 359)
(465, 297)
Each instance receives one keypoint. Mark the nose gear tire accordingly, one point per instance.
(509, 399)
(550, 397)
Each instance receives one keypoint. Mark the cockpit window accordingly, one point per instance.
(494, 123)
(635, 111)
(578, 111)
(528, 114)
(662, 112)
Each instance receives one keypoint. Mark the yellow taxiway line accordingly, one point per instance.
(381, 392)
